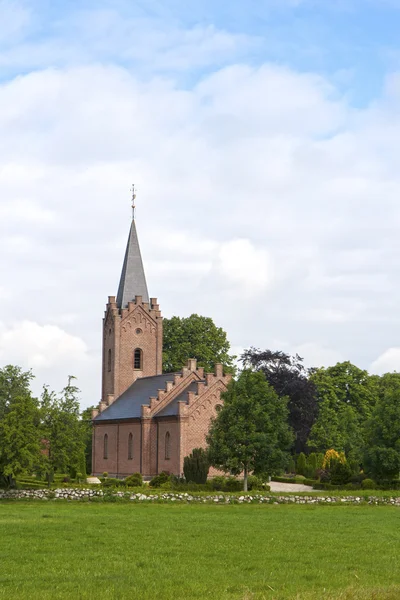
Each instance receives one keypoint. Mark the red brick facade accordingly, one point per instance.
(160, 443)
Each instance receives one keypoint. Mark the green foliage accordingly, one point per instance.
(134, 480)
(346, 397)
(62, 428)
(291, 468)
(340, 472)
(382, 451)
(87, 427)
(111, 482)
(20, 442)
(301, 464)
(195, 337)
(196, 466)
(368, 484)
(250, 432)
(159, 480)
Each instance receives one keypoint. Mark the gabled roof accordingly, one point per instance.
(133, 280)
(172, 407)
(129, 404)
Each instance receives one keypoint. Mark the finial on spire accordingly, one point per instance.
(133, 200)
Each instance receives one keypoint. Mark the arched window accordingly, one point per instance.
(167, 445)
(105, 446)
(109, 359)
(130, 447)
(138, 359)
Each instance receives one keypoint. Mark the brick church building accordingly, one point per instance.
(147, 421)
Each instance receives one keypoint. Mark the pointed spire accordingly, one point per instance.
(133, 280)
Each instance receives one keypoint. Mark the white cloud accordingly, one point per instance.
(387, 362)
(264, 200)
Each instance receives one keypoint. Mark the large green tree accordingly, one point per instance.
(20, 442)
(63, 429)
(346, 397)
(289, 378)
(195, 337)
(382, 448)
(250, 431)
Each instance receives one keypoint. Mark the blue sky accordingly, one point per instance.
(264, 140)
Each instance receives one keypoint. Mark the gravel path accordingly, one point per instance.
(289, 487)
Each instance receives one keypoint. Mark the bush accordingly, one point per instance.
(196, 466)
(105, 474)
(368, 484)
(217, 483)
(382, 463)
(233, 485)
(340, 472)
(134, 480)
(301, 464)
(254, 483)
(311, 465)
(159, 480)
(113, 482)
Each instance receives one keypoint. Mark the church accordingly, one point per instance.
(147, 421)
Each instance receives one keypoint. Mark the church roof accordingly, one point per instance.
(129, 404)
(172, 408)
(133, 280)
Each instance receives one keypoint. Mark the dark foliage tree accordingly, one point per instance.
(196, 466)
(250, 431)
(289, 378)
(86, 423)
(195, 337)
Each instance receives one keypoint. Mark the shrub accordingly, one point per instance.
(382, 463)
(159, 480)
(196, 466)
(105, 474)
(254, 483)
(340, 472)
(332, 456)
(368, 484)
(233, 485)
(291, 465)
(66, 479)
(113, 482)
(217, 483)
(323, 475)
(134, 480)
(301, 464)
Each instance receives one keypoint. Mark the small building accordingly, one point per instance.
(147, 421)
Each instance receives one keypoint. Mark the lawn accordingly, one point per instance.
(172, 552)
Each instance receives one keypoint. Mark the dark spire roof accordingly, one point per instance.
(133, 280)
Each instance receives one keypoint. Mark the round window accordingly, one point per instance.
(138, 331)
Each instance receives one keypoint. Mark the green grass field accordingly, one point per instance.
(172, 552)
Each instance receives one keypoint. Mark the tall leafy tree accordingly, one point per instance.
(62, 428)
(289, 378)
(382, 448)
(346, 397)
(195, 337)
(250, 431)
(19, 419)
(86, 424)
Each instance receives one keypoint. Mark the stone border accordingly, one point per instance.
(89, 494)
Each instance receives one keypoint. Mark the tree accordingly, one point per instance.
(196, 466)
(250, 431)
(346, 397)
(289, 378)
(19, 419)
(62, 428)
(382, 448)
(195, 337)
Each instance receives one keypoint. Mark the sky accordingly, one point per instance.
(263, 138)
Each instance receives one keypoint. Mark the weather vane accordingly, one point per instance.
(133, 200)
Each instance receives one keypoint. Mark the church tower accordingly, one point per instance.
(132, 327)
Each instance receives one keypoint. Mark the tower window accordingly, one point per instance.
(167, 445)
(138, 359)
(109, 360)
(130, 447)
(105, 447)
